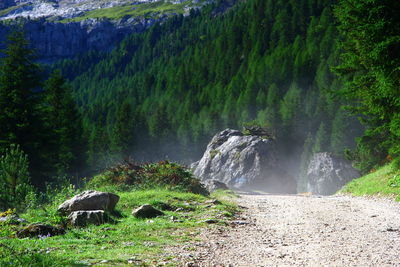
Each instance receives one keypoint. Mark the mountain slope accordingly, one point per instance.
(190, 77)
(66, 28)
(81, 9)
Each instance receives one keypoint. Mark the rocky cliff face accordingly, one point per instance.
(244, 162)
(327, 174)
(64, 28)
(61, 40)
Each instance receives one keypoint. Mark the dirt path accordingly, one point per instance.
(304, 231)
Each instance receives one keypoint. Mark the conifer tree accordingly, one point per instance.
(65, 125)
(290, 105)
(339, 139)
(21, 116)
(99, 141)
(372, 58)
(19, 93)
(123, 133)
(14, 178)
(321, 139)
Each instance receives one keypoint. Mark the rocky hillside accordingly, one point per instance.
(64, 28)
(83, 9)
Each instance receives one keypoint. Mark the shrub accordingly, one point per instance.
(258, 129)
(14, 178)
(164, 173)
(173, 176)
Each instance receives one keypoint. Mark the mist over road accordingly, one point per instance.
(293, 230)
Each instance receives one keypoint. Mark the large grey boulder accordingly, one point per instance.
(244, 162)
(327, 173)
(90, 200)
(85, 217)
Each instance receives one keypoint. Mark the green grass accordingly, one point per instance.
(139, 10)
(8, 10)
(384, 182)
(139, 240)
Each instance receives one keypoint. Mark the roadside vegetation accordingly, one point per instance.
(125, 239)
(384, 181)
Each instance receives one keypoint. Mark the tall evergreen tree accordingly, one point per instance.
(99, 153)
(20, 102)
(372, 57)
(65, 125)
(321, 143)
(19, 92)
(343, 127)
(123, 134)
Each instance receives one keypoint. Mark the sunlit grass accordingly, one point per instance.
(384, 181)
(138, 10)
(10, 9)
(129, 239)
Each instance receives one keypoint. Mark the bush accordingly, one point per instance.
(151, 175)
(258, 129)
(14, 178)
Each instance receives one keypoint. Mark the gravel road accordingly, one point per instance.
(282, 230)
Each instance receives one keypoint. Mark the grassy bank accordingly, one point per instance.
(384, 181)
(127, 241)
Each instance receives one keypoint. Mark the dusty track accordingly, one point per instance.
(276, 230)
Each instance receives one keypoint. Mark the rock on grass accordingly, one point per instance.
(146, 211)
(40, 230)
(90, 200)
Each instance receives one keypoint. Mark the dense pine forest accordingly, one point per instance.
(179, 83)
(320, 75)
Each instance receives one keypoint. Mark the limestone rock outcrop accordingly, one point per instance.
(327, 173)
(244, 162)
